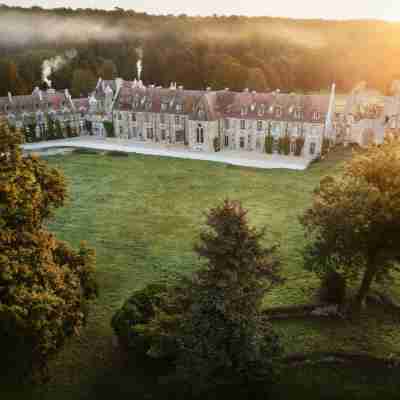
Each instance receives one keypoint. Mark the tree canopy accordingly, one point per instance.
(354, 222)
(45, 286)
(219, 51)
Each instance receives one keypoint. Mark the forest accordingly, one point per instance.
(72, 48)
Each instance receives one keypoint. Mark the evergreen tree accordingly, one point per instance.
(225, 341)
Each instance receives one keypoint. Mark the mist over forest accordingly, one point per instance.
(72, 48)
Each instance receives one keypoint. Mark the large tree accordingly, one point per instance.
(353, 225)
(45, 286)
(225, 341)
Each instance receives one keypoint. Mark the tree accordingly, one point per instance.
(83, 82)
(45, 286)
(353, 224)
(108, 70)
(224, 339)
(256, 80)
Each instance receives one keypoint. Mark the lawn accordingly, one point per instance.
(142, 215)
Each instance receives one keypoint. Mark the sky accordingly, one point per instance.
(327, 9)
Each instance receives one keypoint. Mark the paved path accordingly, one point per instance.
(240, 158)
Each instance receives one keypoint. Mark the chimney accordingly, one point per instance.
(208, 88)
(246, 90)
(10, 99)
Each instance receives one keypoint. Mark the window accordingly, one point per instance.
(149, 105)
(298, 114)
(259, 125)
(179, 107)
(242, 124)
(242, 142)
(312, 148)
(276, 129)
(243, 111)
(162, 118)
(201, 114)
(119, 116)
(200, 134)
(164, 106)
(177, 120)
(278, 112)
(316, 116)
(163, 134)
(226, 123)
(149, 133)
(249, 139)
(146, 117)
(226, 141)
(121, 130)
(133, 117)
(293, 147)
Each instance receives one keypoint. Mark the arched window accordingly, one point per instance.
(200, 134)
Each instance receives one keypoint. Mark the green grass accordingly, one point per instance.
(143, 215)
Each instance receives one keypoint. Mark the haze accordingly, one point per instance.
(339, 9)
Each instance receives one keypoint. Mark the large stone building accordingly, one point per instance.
(202, 120)
(206, 120)
(369, 117)
(44, 114)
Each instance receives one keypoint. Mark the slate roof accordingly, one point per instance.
(220, 104)
(37, 101)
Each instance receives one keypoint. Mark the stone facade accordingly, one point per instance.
(209, 120)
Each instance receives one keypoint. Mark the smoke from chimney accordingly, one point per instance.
(139, 64)
(54, 64)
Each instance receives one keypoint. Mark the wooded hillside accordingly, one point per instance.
(220, 51)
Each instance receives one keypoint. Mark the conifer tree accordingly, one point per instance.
(225, 340)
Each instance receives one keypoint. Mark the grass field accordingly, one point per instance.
(143, 215)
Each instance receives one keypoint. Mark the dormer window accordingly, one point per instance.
(316, 116)
(298, 114)
(261, 110)
(243, 111)
(163, 106)
(278, 112)
(253, 107)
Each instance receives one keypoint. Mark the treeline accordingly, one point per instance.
(221, 51)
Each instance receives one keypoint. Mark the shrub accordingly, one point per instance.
(299, 146)
(109, 127)
(138, 310)
(116, 153)
(269, 144)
